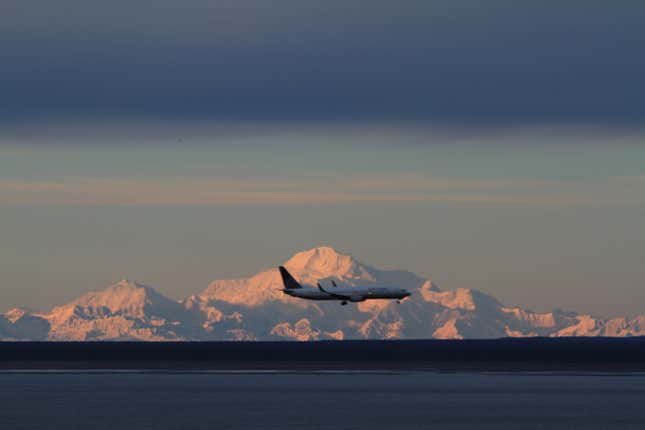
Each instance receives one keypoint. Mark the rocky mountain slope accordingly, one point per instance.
(256, 309)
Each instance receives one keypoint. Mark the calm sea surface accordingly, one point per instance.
(320, 401)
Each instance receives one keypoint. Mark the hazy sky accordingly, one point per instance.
(496, 146)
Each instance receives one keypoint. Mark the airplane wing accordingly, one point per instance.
(338, 296)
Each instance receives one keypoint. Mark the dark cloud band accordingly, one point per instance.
(495, 62)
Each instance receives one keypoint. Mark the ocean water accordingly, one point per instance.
(323, 400)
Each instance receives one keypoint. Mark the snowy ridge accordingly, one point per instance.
(255, 309)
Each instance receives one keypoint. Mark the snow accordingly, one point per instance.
(254, 309)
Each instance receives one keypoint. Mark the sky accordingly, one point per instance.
(499, 147)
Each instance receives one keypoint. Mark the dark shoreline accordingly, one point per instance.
(501, 355)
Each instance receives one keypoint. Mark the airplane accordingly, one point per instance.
(344, 294)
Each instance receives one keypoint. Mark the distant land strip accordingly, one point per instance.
(506, 354)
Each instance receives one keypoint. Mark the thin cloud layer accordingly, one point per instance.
(384, 189)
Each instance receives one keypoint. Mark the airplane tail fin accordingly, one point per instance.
(289, 282)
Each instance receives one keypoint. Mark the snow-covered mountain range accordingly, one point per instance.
(256, 309)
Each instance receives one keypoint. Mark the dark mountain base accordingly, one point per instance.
(510, 354)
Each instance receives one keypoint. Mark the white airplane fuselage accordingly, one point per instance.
(354, 294)
(344, 294)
